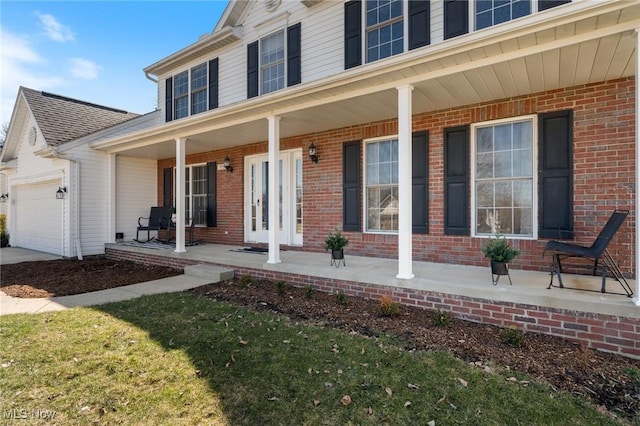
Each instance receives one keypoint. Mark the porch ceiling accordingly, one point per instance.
(543, 56)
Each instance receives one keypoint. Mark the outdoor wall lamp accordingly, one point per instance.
(60, 192)
(4, 197)
(313, 153)
(227, 164)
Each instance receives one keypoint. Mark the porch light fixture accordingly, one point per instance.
(4, 197)
(313, 153)
(227, 164)
(60, 192)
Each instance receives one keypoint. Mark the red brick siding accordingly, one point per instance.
(604, 152)
(603, 332)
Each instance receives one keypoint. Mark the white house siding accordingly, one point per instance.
(437, 22)
(136, 192)
(323, 41)
(93, 202)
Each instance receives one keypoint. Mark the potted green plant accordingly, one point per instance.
(500, 253)
(4, 236)
(336, 242)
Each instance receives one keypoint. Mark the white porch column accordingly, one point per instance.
(274, 189)
(179, 190)
(405, 242)
(111, 198)
(636, 299)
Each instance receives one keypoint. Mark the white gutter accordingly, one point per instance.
(76, 197)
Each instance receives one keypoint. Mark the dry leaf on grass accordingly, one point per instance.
(345, 400)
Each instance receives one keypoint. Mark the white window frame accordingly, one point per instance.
(534, 175)
(271, 65)
(367, 29)
(189, 204)
(365, 197)
(472, 14)
(190, 91)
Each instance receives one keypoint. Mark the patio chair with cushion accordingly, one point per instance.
(597, 253)
(159, 219)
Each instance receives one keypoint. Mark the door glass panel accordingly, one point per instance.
(254, 209)
(265, 196)
(280, 192)
(298, 195)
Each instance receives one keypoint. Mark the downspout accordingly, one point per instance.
(76, 199)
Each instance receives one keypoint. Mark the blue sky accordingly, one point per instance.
(95, 50)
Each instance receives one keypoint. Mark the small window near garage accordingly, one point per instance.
(381, 185)
(503, 163)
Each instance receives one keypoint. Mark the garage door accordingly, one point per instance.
(38, 218)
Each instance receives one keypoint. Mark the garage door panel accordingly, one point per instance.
(39, 218)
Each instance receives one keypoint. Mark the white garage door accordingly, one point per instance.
(38, 218)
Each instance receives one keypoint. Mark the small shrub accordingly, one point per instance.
(389, 308)
(246, 280)
(281, 286)
(442, 319)
(3, 225)
(512, 336)
(341, 298)
(308, 291)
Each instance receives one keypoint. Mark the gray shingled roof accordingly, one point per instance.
(63, 119)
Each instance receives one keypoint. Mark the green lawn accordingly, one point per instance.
(179, 359)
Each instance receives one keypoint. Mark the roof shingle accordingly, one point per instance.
(63, 119)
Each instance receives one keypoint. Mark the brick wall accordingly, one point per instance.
(602, 332)
(604, 152)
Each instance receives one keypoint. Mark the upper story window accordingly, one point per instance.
(377, 29)
(487, 13)
(192, 91)
(272, 70)
(385, 28)
(274, 61)
(493, 12)
(199, 89)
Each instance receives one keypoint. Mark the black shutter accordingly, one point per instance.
(420, 182)
(555, 198)
(419, 23)
(168, 99)
(352, 34)
(351, 186)
(456, 181)
(212, 210)
(548, 4)
(294, 72)
(252, 70)
(167, 187)
(456, 18)
(213, 83)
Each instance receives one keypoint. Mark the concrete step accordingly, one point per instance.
(212, 272)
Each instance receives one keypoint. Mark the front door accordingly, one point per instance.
(257, 198)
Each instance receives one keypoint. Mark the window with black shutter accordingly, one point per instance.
(252, 70)
(456, 18)
(420, 182)
(168, 99)
(352, 34)
(351, 186)
(213, 83)
(294, 63)
(419, 24)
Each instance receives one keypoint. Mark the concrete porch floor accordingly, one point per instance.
(528, 287)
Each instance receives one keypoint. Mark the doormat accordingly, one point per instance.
(258, 250)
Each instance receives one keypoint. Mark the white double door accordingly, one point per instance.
(256, 195)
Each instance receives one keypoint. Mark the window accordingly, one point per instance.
(385, 29)
(199, 89)
(503, 165)
(493, 12)
(181, 95)
(381, 185)
(192, 91)
(196, 195)
(272, 62)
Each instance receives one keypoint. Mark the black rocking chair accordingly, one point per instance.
(159, 219)
(597, 252)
